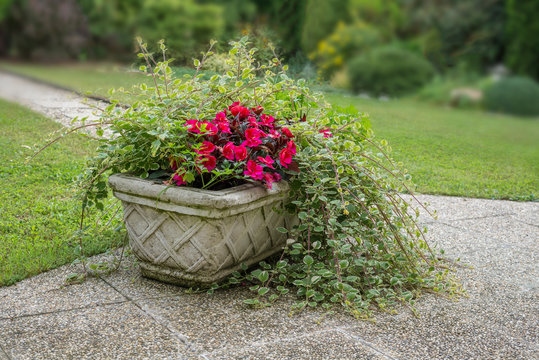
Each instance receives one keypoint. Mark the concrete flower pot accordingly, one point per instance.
(195, 237)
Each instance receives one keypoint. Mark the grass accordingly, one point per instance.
(448, 151)
(39, 207)
(458, 152)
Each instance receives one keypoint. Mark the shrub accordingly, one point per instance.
(513, 95)
(522, 29)
(389, 71)
(345, 42)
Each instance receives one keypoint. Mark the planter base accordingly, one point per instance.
(194, 237)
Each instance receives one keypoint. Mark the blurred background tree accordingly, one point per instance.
(323, 40)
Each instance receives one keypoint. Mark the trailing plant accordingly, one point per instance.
(357, 243)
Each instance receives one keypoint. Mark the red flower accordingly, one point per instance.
(253, 137)
(220, 117)
(286, 157)
(240, 111)
(258, 110)
(252, 121)
(287, 133)
(208, 128)
(223, 127)
(269, 179)
(193, 125)
(254, 170)
(240, 152)
(267, 120)
(206, 148)
(277, 177)
(208, 161)
(291, 146)
(274, 134)
(228, 151)
(178, 178)
(326, 131)
(266, 161)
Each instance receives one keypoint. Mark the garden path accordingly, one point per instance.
(124, 316)
(58, 104)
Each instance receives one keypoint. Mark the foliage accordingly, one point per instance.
(188, 24)
(345, 42)
(513, 95)
(389, 71)
(47, 28)
(523, 43)
(453, 31)
(385, 16)
(321, 17)
(38, 201)
(358, 243)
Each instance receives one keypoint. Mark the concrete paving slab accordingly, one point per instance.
(47, 293)
(451, 208)
(222, 321)
(321, 345)
(478, 327)
(118, 331)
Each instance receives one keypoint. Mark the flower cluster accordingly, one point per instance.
(241, 138)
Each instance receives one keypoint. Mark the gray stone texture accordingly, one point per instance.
(196, 237)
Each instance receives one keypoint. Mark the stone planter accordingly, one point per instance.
(195, 237)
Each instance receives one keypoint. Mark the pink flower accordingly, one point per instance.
(220, 117)
(267, 120)
(286, 157)
(277, 177)
(223, 127)
(291, 146)
(253, 137)
(179, 178)
(287, 133)
(266, 161)
(208, 128)
(208, 161)
(252, 121)
(193, 125)
(206, 148)
(240, 152)
(240, 111)
(274, 134)
(228, 151)
(258, 110)
(326, 131)
(269, 179)
(254, 170)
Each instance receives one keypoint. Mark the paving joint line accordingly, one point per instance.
(366, 343)
(63, 310)
(4, 354)
(158, 319)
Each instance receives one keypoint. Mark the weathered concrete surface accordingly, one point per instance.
(125, 316)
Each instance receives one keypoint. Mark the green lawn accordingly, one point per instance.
(38, 205)
(447, 151)
(458, 152)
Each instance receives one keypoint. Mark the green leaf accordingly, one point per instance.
(282, 230)
(263, 276)
(308, 260)
(263, 291)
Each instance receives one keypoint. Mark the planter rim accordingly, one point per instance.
(221, 199)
